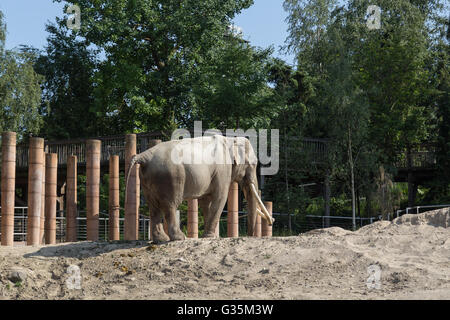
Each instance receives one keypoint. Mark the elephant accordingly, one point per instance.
(197, 168)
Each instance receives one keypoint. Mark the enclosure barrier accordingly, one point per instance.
(192, 218)
(42, 223)
(114, 205)
(92, 188)
(51, 171)
(233, 211)
(35, 176)
(71, 199)
(132, 199)
(8, 187)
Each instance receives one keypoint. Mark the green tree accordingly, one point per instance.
(153, 50)
(68, 101)
(20, 91)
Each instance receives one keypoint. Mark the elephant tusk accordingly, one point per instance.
(266, 214)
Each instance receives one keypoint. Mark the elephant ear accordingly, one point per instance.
(242, 152)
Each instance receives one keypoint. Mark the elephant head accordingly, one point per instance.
(244, 163)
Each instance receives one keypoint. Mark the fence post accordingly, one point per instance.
(43, 205)
(51, 171)
(192, 218)
(258, 221)
(233, 211)
(71, 201)
(266, 230)
(8, 187)
(131, 223)
(93, 148)
(35, 176)
(114, 205)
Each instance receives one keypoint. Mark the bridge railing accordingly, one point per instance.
(111, 145)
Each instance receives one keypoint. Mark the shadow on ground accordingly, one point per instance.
(85, 249)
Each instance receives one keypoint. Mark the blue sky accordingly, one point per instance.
(263, 24)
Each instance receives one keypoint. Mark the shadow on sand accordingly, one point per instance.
(85, 249)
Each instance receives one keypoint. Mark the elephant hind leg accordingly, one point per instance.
(175, 232)
(158, 234)
(211, 213)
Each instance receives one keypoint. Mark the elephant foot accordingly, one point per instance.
(178, 236)
(209, 235)
(159, 237)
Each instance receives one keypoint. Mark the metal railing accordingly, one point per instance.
(21, 220)
(417, 209)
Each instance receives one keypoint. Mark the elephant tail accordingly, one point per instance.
(133, 161)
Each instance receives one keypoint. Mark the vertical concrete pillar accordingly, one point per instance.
(131, 224)
(51, 171)
(42, 224)
(71, 200)
(114, 204)
(35, 176)
(258, 221)
(266, 230)
(8, 187)
(151, 143)
(93, 149)
(192, 219)
(233, 211)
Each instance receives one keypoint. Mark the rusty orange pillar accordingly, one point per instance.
(151, 143)
(71, 199)
(258, 221)
(233, 211)
(131, 223)
(42, 224)
(8, 187)
(51, 171)
(192, 219)
(35, 176)
(93, 149)
(114, 204)
(266, 230)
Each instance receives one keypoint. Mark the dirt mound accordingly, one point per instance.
(436, 218)
(404, 259)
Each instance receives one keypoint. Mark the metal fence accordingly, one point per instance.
(419, 209)
(21, 219)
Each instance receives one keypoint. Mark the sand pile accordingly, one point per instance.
(408, 258)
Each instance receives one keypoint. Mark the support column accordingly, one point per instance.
(35, 176)
(8, 187)
(258, 221)
(131, 224)
(326, 196)
(51, 171)
(151, 144)
(192, 219)
(233, 211)
(114, 204)
(93, 148)
(42, 225)
(266, 230)
(71, 200)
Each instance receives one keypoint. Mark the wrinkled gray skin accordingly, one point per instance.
(166, 183)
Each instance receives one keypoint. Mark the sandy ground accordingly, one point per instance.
(411, 256)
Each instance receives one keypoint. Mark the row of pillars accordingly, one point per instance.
(42, 186)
